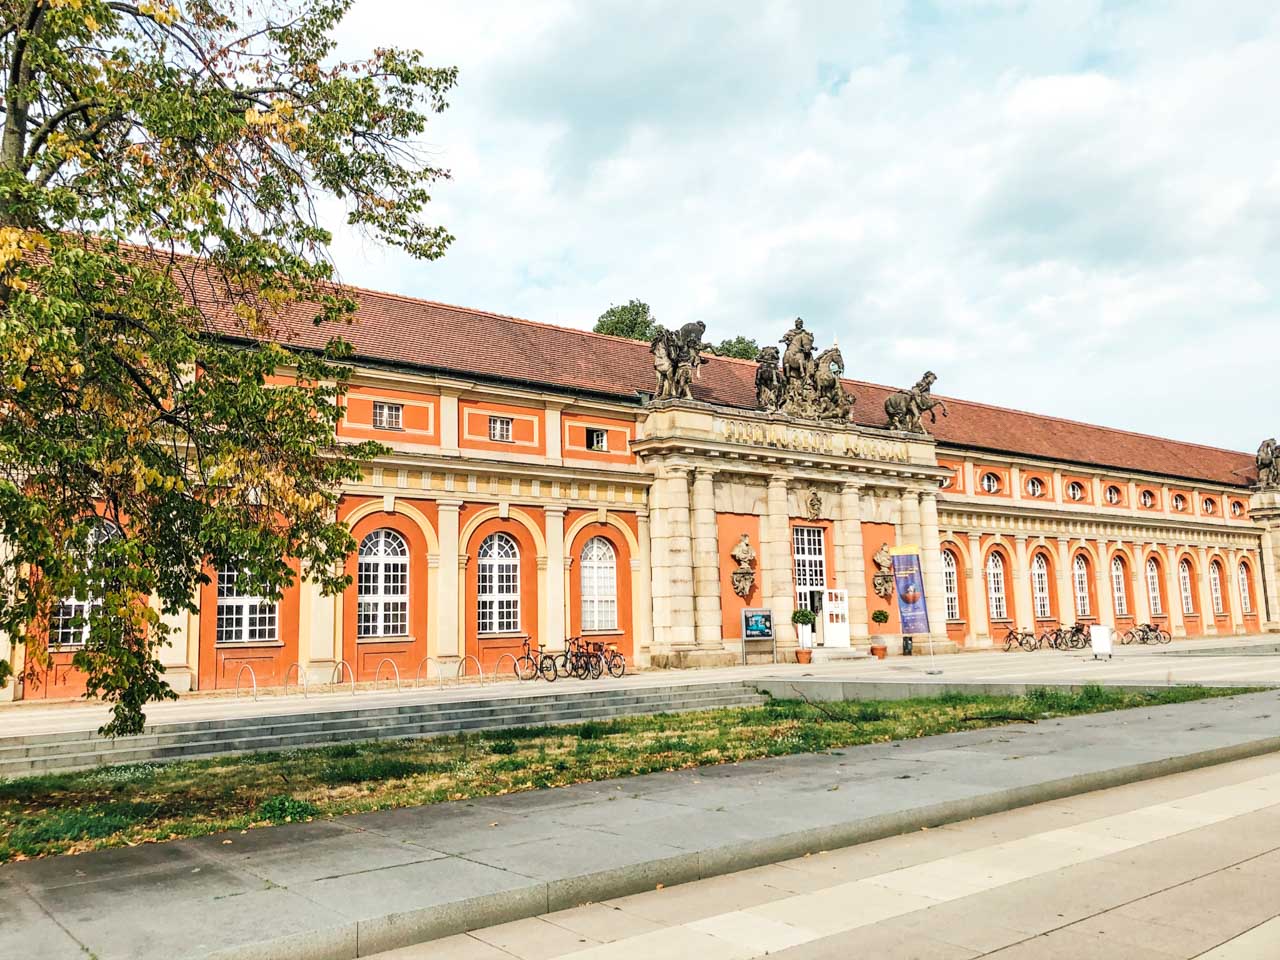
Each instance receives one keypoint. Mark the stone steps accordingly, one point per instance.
(51, 753)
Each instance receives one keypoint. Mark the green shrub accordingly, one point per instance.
(880, 616)
(503, 747)
(360, 769)
(285, 809)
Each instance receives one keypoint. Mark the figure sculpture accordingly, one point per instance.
(744, 575)
(813, 506)
(799, 383)
(882, 580)
(906, 408)
(833, 402)
(1269, 465)
(677, 355)
(768, 380)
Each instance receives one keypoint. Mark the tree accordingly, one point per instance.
(631, 320)
(744, 348)
(159, 241)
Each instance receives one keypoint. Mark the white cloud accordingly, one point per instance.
(1072, 209)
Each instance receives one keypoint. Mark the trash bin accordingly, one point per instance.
(907, 645)
(1101, 638)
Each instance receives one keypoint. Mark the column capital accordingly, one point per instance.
(778, 480)
(705, 472)
(450, 506)
(851, 488)
(555, 510)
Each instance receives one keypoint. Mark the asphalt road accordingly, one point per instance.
(1181, 867)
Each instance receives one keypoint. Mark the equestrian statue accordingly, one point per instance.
(906, 408)
(677, 355)
(1269, 465)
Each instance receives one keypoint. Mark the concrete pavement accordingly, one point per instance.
(370, 883)
(1172, 869)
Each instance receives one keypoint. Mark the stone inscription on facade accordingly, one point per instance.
(811, 440)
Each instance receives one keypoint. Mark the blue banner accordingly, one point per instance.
(909, 582)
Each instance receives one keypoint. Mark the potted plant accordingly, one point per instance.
(804, 621)
(879, 650)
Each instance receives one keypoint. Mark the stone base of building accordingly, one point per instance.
(1272, 626)
(921, 647)
(838, 654)
(688, 659)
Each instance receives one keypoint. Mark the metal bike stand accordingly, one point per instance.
(377, 675)
(252, 676)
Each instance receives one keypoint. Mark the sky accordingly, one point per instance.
(1065, 207)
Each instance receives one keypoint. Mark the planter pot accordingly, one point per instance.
(879, 651)
(804, 634)
(804, 656)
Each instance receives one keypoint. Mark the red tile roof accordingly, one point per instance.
(400, 330)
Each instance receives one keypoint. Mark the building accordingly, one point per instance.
(536, 490)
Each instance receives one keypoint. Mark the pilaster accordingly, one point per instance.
(1062, 573)
(673, 610)
(449, 423)
(552, 628)
(1232, 586)
(1106, 612)
(449, 596)
(1208, 617)
(642, 591)
(775, 557)
(931, 567)
(851, 565)
(1173, 583)
(979, 626)
(708, 625)
(1021, 586)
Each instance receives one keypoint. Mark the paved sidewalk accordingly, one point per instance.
(369, 883)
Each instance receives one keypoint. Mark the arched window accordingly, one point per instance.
(1184, 582)
(1119, 586)
(991, 482)
(1179, 502)
(1075, 491)
(1147, 499)
(382, 586)
(995, 587)
(951, 584)
(1113, 494)
(1246, 600)
(1040, 587)
(498, 585)
(599, 573)
(1154, 592)
(1215, 587)
(1035, 487)
(1080, 577)
(1209, 505)
(243, 616)
(69, 621)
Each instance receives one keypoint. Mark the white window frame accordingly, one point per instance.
(1215, 588)
(1080, 579)
(1246, 599)
(1119, 587)
(996, 601)
(1155, 594)
(1113, 495)
(69, 620)
(991, 482)
(1185, 584)
(1041, 600)
(1208, 506)
(809, 557)
(1237, 508)
(1075, 491)
(598, 576)
(500, 429)
(951, 584)
(382, 585)
(498, 585)
(597, 439)
(1147, 498)
(1035, 487)
(1179, 503)
(387, 415)
(244, 619)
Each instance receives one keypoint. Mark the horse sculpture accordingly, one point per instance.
(832, 400)
(1268, 464)
(906, 408)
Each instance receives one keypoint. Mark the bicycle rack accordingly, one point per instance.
(462, 669)
(252, 676)
(378, 673)
(337, 675)
(515, 666)
(302, 678)
(417, 675)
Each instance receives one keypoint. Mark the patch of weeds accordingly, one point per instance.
(93, 821)
(361, 769)
(871, 712)
(503, 747)
(672, 745)
(286, 809)
(597, 730)
(341, 751)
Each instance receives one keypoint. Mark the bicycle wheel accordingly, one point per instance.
(581, 669)
(547, 667)
(564, 667)
(526, 668)
(1126, 637)
(617, 666)
(595, 665)
(1163, 636)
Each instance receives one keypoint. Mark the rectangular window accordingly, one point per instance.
(810, 558)
(388, 416)
(597, 439)
(243, 618)
(500, 429)
(951, 586)
(69, 624)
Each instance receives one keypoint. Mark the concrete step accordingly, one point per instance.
(439, 719)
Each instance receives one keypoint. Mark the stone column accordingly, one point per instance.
(1066, 595)
(851, 564)
(552, 627)
(1173, 583)
(673, 612)
(642, 591)
(909, 529)
(776, 563)
(931, 569)
(1025, 616)
(979, 627)
(708, 630)
(1208, 619)
(449, 593)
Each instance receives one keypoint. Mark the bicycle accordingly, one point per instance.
(614, 661)
(530, 668)
(1053, 638)
(1146, 633)
(1023, 638)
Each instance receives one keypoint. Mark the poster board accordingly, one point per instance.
(908, 581)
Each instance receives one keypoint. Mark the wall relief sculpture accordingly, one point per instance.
(800, 382)
(677, 355)
(744, 575)
(813, 506)
(882, 579)
(1269, 465)
(906, 408)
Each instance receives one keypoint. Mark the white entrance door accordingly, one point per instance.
(808, 548)
(835, 616)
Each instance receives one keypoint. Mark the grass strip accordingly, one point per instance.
(149, 802)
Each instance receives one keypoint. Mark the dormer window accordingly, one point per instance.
(387, 416)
